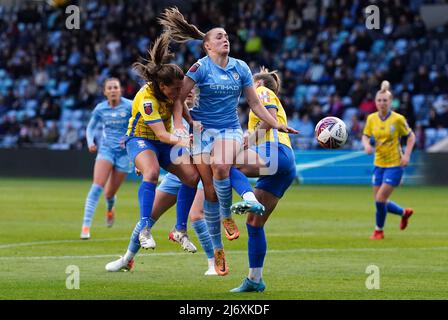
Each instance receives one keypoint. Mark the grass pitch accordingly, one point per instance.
(318, 247)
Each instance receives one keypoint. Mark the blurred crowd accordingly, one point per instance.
(330, 63)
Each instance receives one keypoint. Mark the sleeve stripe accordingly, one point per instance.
(153, 121)
(269, 106)
(407, 135)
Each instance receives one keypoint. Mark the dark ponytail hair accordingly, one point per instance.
(156, 70)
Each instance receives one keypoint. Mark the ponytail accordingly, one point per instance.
(156, 69)
(179, 28)
(271, 79)
(385, 88)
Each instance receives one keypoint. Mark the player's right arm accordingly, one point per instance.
(179, 106)
(166, 137)
(149, 109)
(367, 133)
(90, 131)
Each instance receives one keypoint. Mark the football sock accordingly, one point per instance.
(134, 243)
(394, 208)
(129, 255)
(146, 194)
(241, 184)
(250, 196)
(255, 274)
(381, 212)
(184, 201)
(256, 250)
(213, 220)
(223, 190)
(110, 202)
(91, 202)
(200, 227)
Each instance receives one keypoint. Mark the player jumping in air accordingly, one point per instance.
(221, 80)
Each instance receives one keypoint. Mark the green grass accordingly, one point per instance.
(318, 247)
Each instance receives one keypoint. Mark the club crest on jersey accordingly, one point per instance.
(236, 76)
(147, 106)
(264, 96)
(194, 67)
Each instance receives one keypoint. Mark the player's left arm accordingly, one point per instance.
(261, 112)
(410, 142)
(262, 128)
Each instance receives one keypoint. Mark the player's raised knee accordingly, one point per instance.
(221, 170)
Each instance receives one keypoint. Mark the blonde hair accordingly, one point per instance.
(385, 88)
(156, 69)
(271, 79)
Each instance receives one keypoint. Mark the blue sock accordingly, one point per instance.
(223, 190)
(134, 243)
(184, 201)
(256, 246)
(381, 212)
(200, 227)
(110, 202)
(91, 202)
(394, 208)
(239, 182)
(211, 213)
(146, 195)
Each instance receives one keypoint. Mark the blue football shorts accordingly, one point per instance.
(391, 176)
(281, 164)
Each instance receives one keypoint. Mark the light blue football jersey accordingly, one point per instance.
(220, 91)
(114, 122)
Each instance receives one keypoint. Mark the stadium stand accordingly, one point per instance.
(51, 77)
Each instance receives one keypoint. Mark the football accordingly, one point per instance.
(331, 133)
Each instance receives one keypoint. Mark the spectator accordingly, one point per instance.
(367, 105)
(321, 48)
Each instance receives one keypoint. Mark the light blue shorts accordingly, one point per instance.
(206, 141)
(118, 158)
(171, 184)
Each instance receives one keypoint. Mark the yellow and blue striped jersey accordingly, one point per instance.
(146, 109)
(387, 133)
(270, 100)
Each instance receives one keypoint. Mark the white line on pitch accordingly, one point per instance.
(38, 243)
(299, 250)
